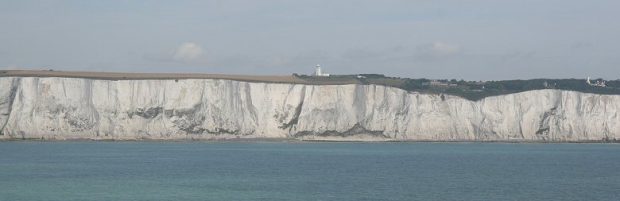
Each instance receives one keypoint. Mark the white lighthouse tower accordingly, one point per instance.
(319, 73)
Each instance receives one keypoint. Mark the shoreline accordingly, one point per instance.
(293, 140)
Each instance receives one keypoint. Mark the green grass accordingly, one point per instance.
(472, 90)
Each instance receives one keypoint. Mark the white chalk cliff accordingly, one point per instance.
(75, 108)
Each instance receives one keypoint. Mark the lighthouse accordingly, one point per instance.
(319, 73)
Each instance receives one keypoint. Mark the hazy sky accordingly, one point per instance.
(463, 39)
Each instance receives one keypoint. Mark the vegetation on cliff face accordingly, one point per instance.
(472, 90)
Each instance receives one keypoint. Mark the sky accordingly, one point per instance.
(438, 39)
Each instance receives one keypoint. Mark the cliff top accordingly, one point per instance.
(168, 76)
(472, 90)
(140, 76)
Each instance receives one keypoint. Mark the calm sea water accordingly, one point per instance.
(307, 171)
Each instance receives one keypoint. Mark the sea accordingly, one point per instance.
(206, 170)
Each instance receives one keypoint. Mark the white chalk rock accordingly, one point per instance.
(74, 108)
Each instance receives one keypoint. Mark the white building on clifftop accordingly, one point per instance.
(598, 83)
(319, 73)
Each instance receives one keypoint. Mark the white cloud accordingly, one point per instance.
(188, 52)
(437, 51)
(441, 48)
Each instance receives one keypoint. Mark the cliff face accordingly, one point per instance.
(74, 108)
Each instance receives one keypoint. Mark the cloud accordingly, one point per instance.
(441, 48)
(437, 50)
(357, 54)
(188, 52)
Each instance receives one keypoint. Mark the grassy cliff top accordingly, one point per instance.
(472, 90)
(476, 90)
